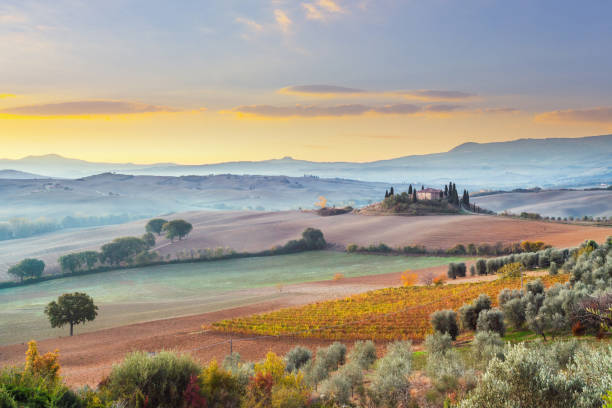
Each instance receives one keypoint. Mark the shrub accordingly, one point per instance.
(445, 321)
(553, 270)
(532, 378)
(491, 320)
(409, 279)
(363, 354)
(351, 248)
(468, 317)
(326, 360)
(511, 270)
(481, 267)
(341, 385)
(296, 358)
(469, 313)
(161, 380)
(438, 343)
(219, 387)
(456, 270)
(472, 270)
(514, 311)
(390, 384)
(486, 346)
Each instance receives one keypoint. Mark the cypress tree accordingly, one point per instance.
(386, 193)
(391, 191)
(445, 191)
(410, 189)
(414, 196)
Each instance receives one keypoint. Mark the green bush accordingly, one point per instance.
(445, 321)
(160, 380)
(390, 384)
(296, 358)
(532, 377)
(491, 320)
(19, 388)
(363, 354)
(486, 346)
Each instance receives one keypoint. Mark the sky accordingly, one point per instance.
(326, 80)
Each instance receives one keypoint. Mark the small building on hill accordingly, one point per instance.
(429, 194)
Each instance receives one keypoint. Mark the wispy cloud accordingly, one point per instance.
(598, 115)
(78, 108)
(252, 24)
(7, 95)
(313, 111)
(321, 90)
(283, 20)
(341, 91)
(321, 9)
(11, 18)
(435, 95)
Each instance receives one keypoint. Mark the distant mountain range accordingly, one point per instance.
(549, 163)
(18, 175)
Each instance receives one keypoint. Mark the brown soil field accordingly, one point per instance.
(88, 358)
(255, 231)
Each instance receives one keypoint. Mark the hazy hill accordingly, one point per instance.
(114, 194)
(16, 175)
(557, 203)
(560, 162)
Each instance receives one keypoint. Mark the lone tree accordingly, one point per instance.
(155, 225)
(28, 268)
(313, 239)
(71, 308)
(177, 228)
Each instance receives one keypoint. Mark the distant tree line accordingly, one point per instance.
(16, 228)
(126, 252)
(483, 249)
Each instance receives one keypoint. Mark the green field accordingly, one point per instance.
(144, 294)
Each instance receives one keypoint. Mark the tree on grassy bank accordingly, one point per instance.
(29, 268)
(71, 308)
(177, 229)
(155, 225)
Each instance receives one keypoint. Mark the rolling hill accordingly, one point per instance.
(552, 163)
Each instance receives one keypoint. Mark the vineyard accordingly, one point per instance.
(385, 314)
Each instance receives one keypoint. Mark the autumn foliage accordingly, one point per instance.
(46, 365)
(385, 314)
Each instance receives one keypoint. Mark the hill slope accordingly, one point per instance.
(556, 162)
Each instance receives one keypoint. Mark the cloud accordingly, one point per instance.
(499, 110)
(283, 21)
(7, 95)
(12, 19)
(320, 90)
(312, 111)
(442, 108)
(341, 91)
(253, 25)
(87, 108)
(321, 9)
(598, 115)
(435, 95)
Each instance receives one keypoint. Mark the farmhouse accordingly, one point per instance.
(429, 194)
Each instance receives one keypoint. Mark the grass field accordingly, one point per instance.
(385, 314)
(144, 294)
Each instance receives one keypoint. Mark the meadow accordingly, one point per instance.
(384, 314)
(151, 293)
